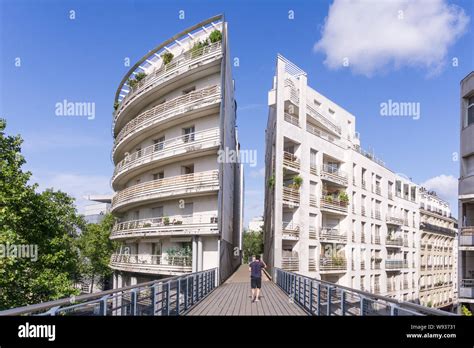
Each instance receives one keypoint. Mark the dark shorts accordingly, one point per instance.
(255, 282)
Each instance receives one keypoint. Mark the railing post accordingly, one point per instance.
(304, 292)
(362, 305)
(319, 299)
(103, 305)
(186, 294)
(328, 307)
(52, 311)
(167, 298)
(393, 310)
(178, 295)
(153, 299)
(311, 297)
(343, 302)
(134, 300)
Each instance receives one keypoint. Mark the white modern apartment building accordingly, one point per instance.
(438, 252)
(178, 208)
(466, 195)
(333, 211)
(95, 212)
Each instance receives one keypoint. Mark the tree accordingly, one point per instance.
(96, 248)
(47, 221)
(252, 244)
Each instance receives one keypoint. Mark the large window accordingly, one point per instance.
(469, 117)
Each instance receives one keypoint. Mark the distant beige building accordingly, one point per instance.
(438, 252)
(256, 224)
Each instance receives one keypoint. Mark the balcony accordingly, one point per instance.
(293, 119)
(177, 107)
(467, 236)
(332, 235)
(290, 196)
(194, 224)
(292, 91)
(313, 169)
(291, 161)
(362, 265)
(466, 290)
(290, 230)
(180, 185)
(376, 214)
(334, 175)
(394, 242)
(376, 240)
(332, 264)
(180, 65)
(312, 265)
(310, 128)
(363, 211)
(182, 145)
(290, 263)
(377, 190)
(312, 232)
(322, 120)
(395, 264)
(313, 201)
(364, 184)
(392, 220)
(390, 195)
(151, 264)
(332, 205)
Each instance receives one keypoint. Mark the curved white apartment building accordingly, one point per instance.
(333, 211)
(178, 208)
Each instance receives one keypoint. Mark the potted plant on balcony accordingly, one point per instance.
(167, 57)
(166, 220)
(297, 182)
(215, 36)
(343, 197)
(198, 48)
(178, 222)
(140, 76)
(337, 261)
(147, 224)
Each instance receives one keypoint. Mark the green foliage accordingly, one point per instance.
(343, 197)
(297, 182)
(96, 248)
(215, 36)
(167, 57)
(48, 220)
(133, 82)
(184, 251)
(198, 48)
(116, 105)
(140, 76)
(252, 244)
(271, 182)
(166, 220)
(465, 311)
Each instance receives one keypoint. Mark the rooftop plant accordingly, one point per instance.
(215, 36)
(167, 57)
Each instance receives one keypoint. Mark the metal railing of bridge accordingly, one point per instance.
(318, 297)
(169, 296)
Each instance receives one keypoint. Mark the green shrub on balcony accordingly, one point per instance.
(198, 48)
(166, 220)
(133, 82)
(215, 36)
(297, 182)
(343, 197)
(147, 224)
(337, 261)
(465, 311)
(140, 76)
(167, 57)
(116, 105)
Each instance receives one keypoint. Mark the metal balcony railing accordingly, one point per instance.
(333, 204)
(148, 259)
(168, 109)
(290, 230)
(376, 214)
(395, 264)
(195, 182)
(179, 65)
(318, 297)
(395, 242)
(313, 169)
(312, 265)
(393, 220)
(322, 119)
(174, 224)
(170, 296)
(313, 201)
(293, 119)
(332, 234)
(332, 264)
(312, 232)
(291, 196)
(291, 161)
(290, 263)
(322, 134)
(334, 175)
(182, 144)
(294, 91)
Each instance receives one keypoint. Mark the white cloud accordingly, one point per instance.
(53, 141)
(376, 35)
(259, 173)
(446, 186)
(76, 185)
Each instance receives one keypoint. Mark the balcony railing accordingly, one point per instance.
(179, 65)
(362, 211)
(467, 236)
(293, 119)
(312, 265)
(180, 184)
(182, 144)
(376, 240)
(395, 264)
(313, 201)
(313, 169)
(378, 190)
(290, 230)
(332, 234)
(291, 263)
(291, 161)
(395, 242)
(173, 107)
(332, 264)
(334, 175)
(376, 214)
(167, 225)
(390, 195)
(294, 91)
(364, 184)
(322, 134)
(333, 204)
(291, 196)
(147, 263)
(312, 232)
(394, 220)
(319, 117)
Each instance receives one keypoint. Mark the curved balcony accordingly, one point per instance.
(179, 185)
(155, 116)
(195, 224)
(180, 146)
(187, 62)
(151, 264)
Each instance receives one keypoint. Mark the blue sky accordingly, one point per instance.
(83, 60)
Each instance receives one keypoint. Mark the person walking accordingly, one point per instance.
(255, 269)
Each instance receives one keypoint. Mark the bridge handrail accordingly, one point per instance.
(291, 284)
(53, 306)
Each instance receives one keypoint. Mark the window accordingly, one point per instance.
(188, 134)
(159, 143)
(189, 90)
(469, 112)
(187, 169)
(468, 165)
(159, 175)
(317, 103)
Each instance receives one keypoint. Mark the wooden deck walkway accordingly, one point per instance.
(234, 298)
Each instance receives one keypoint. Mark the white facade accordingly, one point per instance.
(438, 252)
(178, 207)
(333, 211)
